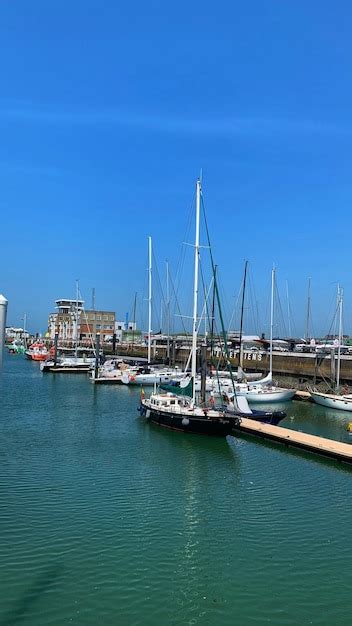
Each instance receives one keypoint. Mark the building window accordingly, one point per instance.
(99, 317)
(98, 326)
(111, 318)
(105, 318)
(92, 316)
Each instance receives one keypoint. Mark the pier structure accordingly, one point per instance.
(336, 450)
(305, 367)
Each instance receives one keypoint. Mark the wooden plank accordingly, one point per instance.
(312, 443)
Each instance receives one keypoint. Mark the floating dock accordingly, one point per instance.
(330, 448)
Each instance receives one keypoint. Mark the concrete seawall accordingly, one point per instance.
(295, 369)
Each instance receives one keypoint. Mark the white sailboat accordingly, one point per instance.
(150, 375)
(263, 391)
(340, 402)
(182, 412)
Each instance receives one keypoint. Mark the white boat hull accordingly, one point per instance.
(264, 395)
(269, 395)
(340, 403)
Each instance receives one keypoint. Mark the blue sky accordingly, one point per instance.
(108, 111)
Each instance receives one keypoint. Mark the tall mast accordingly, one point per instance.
(149, 298)
(308, 312)
(271, 319)
(242, 309)
(24, 329)
(134, 317)
(195, 290)
(288, 311)
(213, 316)
(340, 297)
(167, 312)
(76, 337)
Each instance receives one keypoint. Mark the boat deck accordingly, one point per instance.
(68, 370)
(102, 380)
(311, 443)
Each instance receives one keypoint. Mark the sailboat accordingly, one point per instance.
(341, 402)
(263, 391)
(179, 411)
(148, 375)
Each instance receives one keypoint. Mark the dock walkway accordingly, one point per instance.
(311, 443)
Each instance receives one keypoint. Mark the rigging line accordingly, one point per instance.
(177, 304)
(236, 306)
(219, 304)
(181, 259)
(253, 301)
(200, 319)
(87, 323)
(242, 307)
(279, 307)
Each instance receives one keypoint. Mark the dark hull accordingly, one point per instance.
(265, 417)
(218, 427)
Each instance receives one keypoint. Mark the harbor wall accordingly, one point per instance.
(298, 368)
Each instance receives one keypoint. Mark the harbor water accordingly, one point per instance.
(106, 519)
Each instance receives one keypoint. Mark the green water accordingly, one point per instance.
(108, 520)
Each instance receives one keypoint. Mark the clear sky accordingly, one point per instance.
(109, 109)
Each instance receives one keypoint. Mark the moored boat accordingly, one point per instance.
(332, 401)
(37, 352)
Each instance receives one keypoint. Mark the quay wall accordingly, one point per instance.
(298, 368)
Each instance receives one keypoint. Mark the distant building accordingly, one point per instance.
(127, 332)
(72, 321)
(66, 320)
(12, 333)
(93, 322)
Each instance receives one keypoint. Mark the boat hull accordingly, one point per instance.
(260, 396)
(186, 423)
(332, 401)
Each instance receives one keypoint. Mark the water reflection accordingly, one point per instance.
(43, 583)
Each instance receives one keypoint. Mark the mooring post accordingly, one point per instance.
(97, 355)
(56, 338)
(3, 312)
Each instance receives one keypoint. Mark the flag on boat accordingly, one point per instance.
(142, 393)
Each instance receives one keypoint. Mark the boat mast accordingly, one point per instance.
(288, 311)
(167, 313)
(308, 311)
(240, 353)
(213, 315)
(340, 298)
(149, 299)
(195, 291)
(76, 337)
(24, 330)
(271, 319)
(134, 317)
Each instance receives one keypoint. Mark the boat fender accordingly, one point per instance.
(349, 427)
(185, 421)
